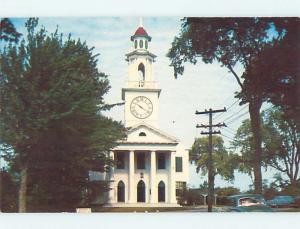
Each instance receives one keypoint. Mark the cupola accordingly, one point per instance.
(140, 38)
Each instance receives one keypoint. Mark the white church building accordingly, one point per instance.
(151, 165)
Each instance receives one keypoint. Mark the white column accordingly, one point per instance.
(172, 193)
(131, 177)
(110, 177)
(152, 178)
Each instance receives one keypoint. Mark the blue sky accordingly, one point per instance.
(201, 87)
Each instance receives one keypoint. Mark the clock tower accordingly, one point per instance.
(140, 93)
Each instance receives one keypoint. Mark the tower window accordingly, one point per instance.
(142, 134)
(141, 70)
(135, 44)
(146, 44)
(141, 44)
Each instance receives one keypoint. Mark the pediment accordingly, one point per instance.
(144, 133)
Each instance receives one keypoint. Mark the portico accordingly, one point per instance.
(151, 167)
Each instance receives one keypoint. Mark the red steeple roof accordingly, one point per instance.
(140, 32)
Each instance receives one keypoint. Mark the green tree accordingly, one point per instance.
(10, 192)
(51, 123)
(281, 146)
(224, 162)
(229, 41)
(7, 31)
(243, 142)
(204, 186)
(227, 191)
(277, 69)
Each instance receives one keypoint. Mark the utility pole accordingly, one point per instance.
(210, 198)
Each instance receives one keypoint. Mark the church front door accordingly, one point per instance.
(141, 192)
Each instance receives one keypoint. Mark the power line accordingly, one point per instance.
(227, 137)
(229, 131)
(229, 107)
(237, 118)
(243, 108)
(225, 100)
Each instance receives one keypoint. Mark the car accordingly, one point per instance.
(281, 201)
(297, 201)
(247, 203)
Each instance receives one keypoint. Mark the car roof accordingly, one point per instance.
(284, 196)
(244, 196)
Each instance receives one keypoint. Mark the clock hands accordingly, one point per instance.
(141, 107)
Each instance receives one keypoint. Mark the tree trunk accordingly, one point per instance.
(23, 190)
(254, 110)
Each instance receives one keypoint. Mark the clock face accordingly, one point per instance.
(141, 107)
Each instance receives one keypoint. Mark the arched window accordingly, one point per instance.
(141, 44)
(121, 191)
(141, 70)
(146, 44)
(161, 192)
(142, 134)
(141, 191)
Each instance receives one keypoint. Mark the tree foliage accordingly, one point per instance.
(224, 162)
(9, 192)
(277, 69)
(7, 31)
(227, 191)
(232, 42)
(226, 40)
(52, 127)
(281, 146)
(243, 141)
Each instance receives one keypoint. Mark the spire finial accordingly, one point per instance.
(141, 22)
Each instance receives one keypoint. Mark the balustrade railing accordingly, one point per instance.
(141, 84)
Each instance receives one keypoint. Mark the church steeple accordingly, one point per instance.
(140, 60)
(141, 39)
(140, 93)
